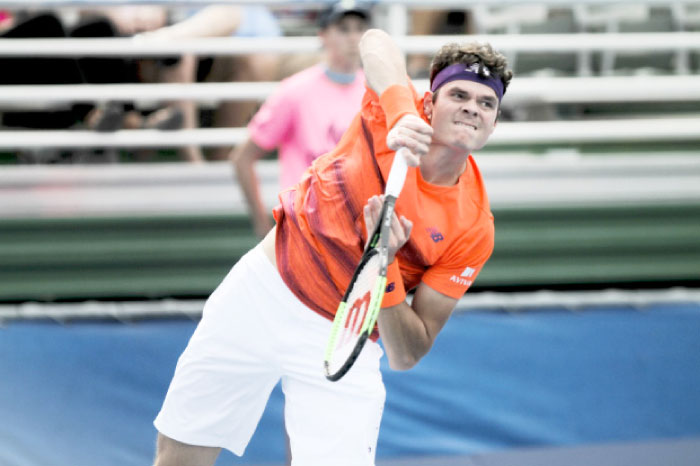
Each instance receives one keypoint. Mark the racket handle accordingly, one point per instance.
(397, 174)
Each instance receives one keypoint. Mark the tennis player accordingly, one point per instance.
(270, 318)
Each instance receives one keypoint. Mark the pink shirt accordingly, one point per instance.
(305, 118)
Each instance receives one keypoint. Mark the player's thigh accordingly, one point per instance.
(224, 377)
(335, 422)
(216, 401)
(170, 452)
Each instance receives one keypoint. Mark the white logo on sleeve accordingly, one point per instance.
(468, 273)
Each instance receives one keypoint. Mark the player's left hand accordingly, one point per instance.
(400, 228)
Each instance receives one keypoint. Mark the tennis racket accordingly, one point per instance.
(358, 310)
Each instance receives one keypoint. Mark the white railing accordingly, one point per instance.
(534, 43)
(522, 89)
(513, 181)
(669, 130)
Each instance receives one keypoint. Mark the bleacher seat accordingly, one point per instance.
(658, 19)
(530, 19)
(689, 19)
(558, 21)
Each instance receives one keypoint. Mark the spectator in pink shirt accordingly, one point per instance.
(309, 111)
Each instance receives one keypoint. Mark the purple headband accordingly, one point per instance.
(469, 73)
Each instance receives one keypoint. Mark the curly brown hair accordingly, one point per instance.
(468, 54)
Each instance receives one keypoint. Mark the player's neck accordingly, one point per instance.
(443, 167)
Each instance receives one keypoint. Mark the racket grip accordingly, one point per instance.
(397, 174)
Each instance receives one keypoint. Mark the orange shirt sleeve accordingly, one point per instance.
(382, 112)
(397, 101)
(455, 273)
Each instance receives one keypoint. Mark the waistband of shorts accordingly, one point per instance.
(268, 276)
(272, 282)
(268, 280)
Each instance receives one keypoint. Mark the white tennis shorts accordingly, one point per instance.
(253, 333)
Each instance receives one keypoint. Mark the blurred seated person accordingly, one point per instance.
(221, 21)
(129, 21)
(107, 22)
(92, 23)
(309, 111)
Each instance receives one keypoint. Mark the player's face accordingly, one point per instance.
(341, 42)
(463, 115)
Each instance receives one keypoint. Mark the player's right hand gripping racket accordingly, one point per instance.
(358, 310)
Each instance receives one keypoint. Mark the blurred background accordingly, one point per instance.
(119, 214)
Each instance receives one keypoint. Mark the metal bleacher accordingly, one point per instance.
(593, 173)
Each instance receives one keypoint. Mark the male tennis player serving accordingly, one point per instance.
(270, 318)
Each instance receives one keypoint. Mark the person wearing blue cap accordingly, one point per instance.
(297, 119)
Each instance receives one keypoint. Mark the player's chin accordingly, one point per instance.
(462, 145)
(469, 143)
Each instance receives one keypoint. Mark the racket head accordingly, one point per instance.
(356, 315)
(358, 310)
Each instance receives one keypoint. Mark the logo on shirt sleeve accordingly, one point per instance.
(461, 280)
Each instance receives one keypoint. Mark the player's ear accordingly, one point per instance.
(428, 105)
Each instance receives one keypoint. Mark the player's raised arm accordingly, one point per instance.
(385, 71)
(382, 60)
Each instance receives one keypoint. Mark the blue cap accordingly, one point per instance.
(339, 10)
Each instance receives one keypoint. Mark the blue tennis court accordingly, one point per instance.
(525, 387)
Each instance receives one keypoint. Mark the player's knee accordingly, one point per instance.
(170, 452)
(164, 451)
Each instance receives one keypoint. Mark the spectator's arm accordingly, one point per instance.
(212, 21)
(244, 158)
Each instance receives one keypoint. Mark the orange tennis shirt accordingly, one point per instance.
(320, 221)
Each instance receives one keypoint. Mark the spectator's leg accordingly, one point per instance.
(179, 113)
(98, 70)
(247, 68)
